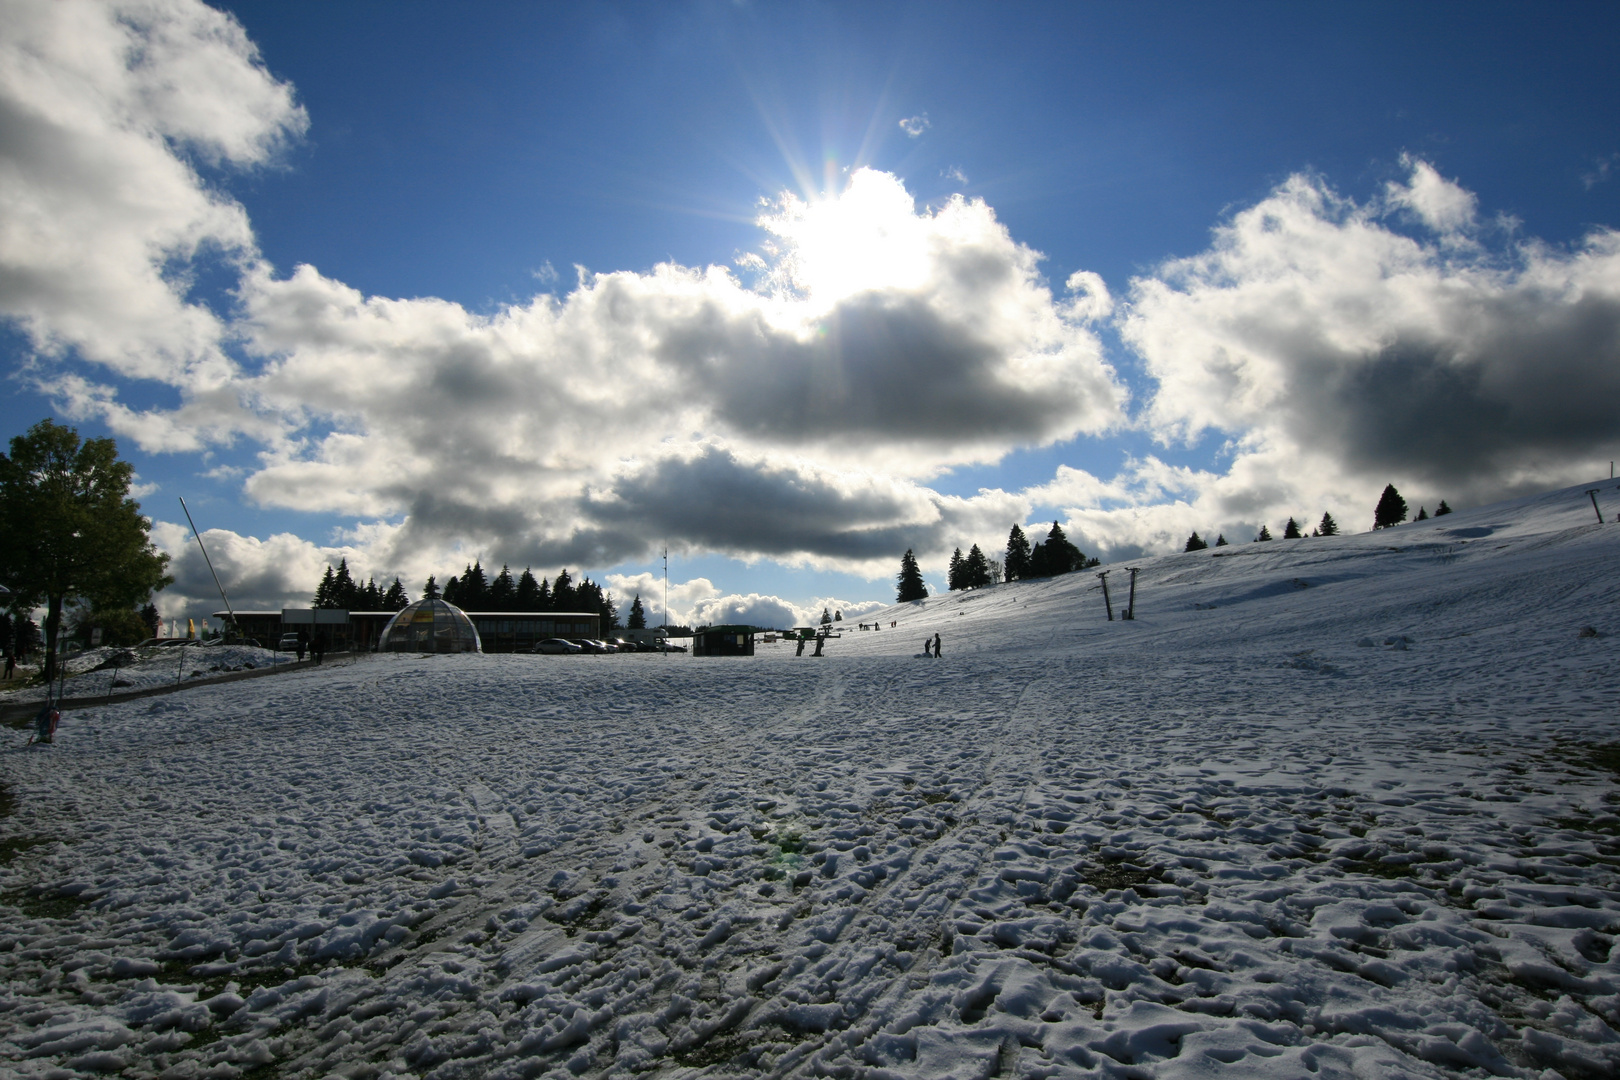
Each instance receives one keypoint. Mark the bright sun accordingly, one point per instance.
(868, 237)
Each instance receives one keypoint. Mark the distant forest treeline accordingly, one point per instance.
(471, 591)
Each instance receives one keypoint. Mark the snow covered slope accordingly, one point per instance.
(1328, 807)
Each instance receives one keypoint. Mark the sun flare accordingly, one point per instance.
(867, 237)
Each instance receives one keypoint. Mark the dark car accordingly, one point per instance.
(558, 646)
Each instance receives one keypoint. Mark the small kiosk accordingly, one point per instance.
(723, 641)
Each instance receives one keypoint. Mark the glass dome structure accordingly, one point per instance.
(430, 626)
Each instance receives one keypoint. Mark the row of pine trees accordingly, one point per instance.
(1390, 511)
(1045, 558)
(338, 589)
(474, 591)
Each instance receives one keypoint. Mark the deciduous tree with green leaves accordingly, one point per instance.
(72, 532)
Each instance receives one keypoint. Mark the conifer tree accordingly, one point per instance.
(503, 590)
(953, 576)
(1195, 543)
(323, 591)
(838, 616)
(1265, 534)
(590, 597)
(1291, 530)
(1442, 508)
(344, 590)
(562, 593)
(1423, 514)
(1039, 565)
(1391, 509)
(638, 615)
(1016, 563)
(547, 601)
(527, 597)
(396, 599)
(1328, 527)
(975, 569)
(1220, 540)
(1062, 557)
(149, 616)
(910, 582)
(474, 590)
(826, 617)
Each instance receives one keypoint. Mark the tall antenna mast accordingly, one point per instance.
(666, 590)
(210, 563)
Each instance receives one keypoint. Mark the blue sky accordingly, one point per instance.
(1304, 220)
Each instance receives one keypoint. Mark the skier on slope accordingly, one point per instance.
(936, 646)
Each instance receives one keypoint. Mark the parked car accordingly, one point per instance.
(665, 646)
(288, 643)
(625, 646)
(591, 645)
(557, 646)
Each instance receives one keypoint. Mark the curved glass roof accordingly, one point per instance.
(430, 626)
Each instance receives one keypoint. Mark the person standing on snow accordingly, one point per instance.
(928, 643)
(936, 646)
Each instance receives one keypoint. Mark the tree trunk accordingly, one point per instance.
(53, 624)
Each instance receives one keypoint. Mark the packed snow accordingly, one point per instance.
(1326, 807)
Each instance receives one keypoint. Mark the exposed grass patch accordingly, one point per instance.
(13, 846)
(38, 905)
(1595, 757)
(716, 1050)
(1390, 871)
(1108, 874)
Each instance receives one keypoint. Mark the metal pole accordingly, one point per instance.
(1130, 612)
(1593, 493)
(181, 671)
(210, 563)
(666, 601)
(1107, 603)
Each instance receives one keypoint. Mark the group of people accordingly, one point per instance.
(931, 646)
